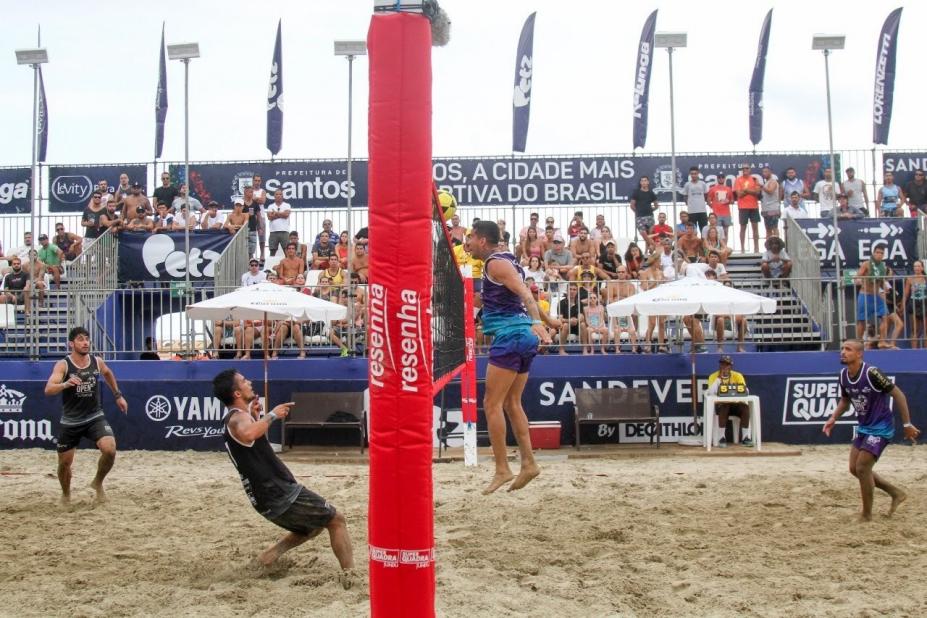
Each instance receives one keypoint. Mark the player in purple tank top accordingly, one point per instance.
(869, 391)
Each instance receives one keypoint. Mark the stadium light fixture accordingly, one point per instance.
(670, 39)
(183, 51)
(35, 56)
(826, 43)
(350, 48)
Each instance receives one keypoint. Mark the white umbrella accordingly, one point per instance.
(266, 301)
(692, 295)
(688, 296)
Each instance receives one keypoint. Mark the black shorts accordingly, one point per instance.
(69, 436)
(771, 219)
(308, 513)
(747, 215)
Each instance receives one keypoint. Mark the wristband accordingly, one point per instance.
(272, 416)
(537, 322)
(117, 395)
(906, 425)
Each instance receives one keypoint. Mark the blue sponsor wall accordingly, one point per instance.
(171, 405)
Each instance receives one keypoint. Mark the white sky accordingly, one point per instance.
(102, 77)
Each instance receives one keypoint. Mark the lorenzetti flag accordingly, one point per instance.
(524, 75)
(161, 101)
(643, 68)
(275, 99)
(884, 91)
(756, 83)
(42, 128)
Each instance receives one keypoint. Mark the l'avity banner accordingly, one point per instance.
(14, 190)
(160, 257)
(71, 187)
(857, 239)
(490, 181)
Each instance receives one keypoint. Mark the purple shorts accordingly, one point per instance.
(514, 351)
(870, 444)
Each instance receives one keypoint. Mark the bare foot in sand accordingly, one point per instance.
(346, 578)
(498, 480)
(864, 519)
(525, 476)
(100, 498)
(897, 499)
(268, 557)
(65, 500)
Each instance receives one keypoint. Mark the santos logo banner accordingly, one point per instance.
(71, 187)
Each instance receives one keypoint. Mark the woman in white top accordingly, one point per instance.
(535, 269)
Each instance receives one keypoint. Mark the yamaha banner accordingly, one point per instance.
(524, 75)
(643, 66)
(71, 187)
(858, 238)
(756, 83)
(884, 89)
(903, 165)
(14, 190)
(275, 98)
(160, 257)
(488, 181)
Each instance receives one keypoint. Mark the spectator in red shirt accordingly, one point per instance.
(720, 197)
(747, 190)
(660, 229)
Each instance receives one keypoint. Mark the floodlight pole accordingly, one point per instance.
(186, 198)
(841, 309)
(671, 41)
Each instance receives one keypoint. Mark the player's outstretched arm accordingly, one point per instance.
(56, 382)
(246, 429)
(901, 404)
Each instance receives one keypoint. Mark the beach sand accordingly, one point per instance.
(672, 536)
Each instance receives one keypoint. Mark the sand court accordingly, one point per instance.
(667, 536)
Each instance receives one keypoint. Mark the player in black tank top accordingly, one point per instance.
(77, 378)
(269, 484)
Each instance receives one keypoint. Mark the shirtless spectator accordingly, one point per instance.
(69, 243)
(212, 218)
(302, 251)
(37, 269)
(359, 262)
(238, 219)
(456, 231)
(166, 193)
(164, 222)
(871, 307)
(131, 202)
(322, 252)
(290, 266)
(690, 245)
(583, 243)
(140, 221)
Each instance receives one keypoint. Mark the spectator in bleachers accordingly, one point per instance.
(302, 251)
(915, 303)
(151, 352)
(616, 290)
(16, 286)
(551, 222)
(576, 225)
(558, 258)
(532, 245)
(196, 206)
(504, 236)
(36, 270)
(122, 191)
(855, 190)
(52, 257)
(22, 252)
(327, 228)
(323, 252)
(95, 219)
(185, 218)
(334, 273)
(693, 324)
(238, 219)
(130, 203)
(255, 222)
(116, 222)
(533, 219)
(713, 223)
(651, 277)
(278, 223)
(535, 269)
(582, 243)
(586, 266)
(660, 230)
(260, 198)
(689, 244)
(634, 260)
(770, 205)
(568, 312)
(735, 323)
(889, 197)
(455, 230)
(70, 244)
(599, 229)
(611, 262)
(212, 218)
(793, 184)
(666, 259)
(714, 243)
(137, 220)
(360, 263)
(227, 329)
(272, 276)
(643, 202)
(825, 193)
(254, 275)
(916, 194)
(164, 222)
(596, 323)
(720, 197)
(794, 208)
(166, 193)
(683, 226)
(549, 232)
(290, 266)
(845, 211)
(870, 303)
(695, 191)
(747, 192)
(343, 249)
(775, 262)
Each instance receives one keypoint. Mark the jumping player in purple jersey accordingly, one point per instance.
(868, 390)
(511, 316)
